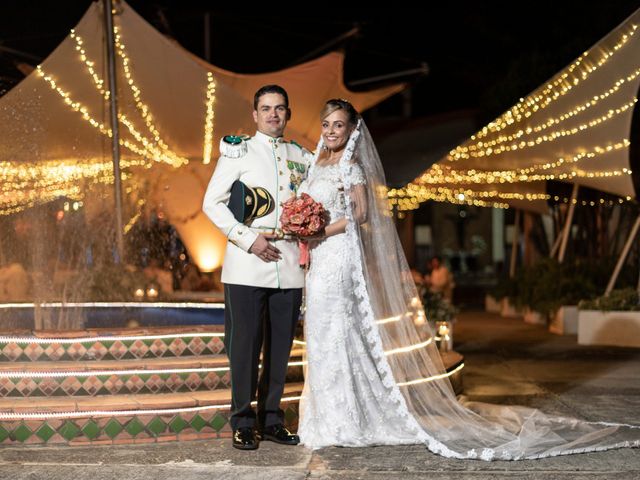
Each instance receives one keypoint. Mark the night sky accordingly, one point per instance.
(482, 56)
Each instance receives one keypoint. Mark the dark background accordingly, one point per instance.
(482, 56)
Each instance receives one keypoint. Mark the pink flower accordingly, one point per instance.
(302, 216)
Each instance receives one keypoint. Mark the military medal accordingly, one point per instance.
(295, 179)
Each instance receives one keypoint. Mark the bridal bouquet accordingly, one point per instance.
(304, 217)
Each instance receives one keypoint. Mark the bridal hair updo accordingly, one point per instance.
(340, 104)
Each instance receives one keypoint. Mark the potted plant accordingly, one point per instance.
(440, 316)
(612, 319)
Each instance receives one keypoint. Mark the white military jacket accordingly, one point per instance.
(278, 166)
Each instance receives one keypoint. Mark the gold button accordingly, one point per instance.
(281, 188)
(278, 158)
(280, 172)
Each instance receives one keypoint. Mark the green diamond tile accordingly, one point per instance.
(22, 433)
(134, 427)
(45, 432)
(157, 426)
(112, 428)
(3, 434)
(91, 430)
(198, 422)
(290, 414)
(177, 424)
(148, 341)
(218, 422)
(69, 430)
(107, 343)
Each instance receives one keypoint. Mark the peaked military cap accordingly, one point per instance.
(248, 203)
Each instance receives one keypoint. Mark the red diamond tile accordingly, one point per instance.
(6, 386)
(54, 351)
(193, 381)
(48, 386)
(113, 384)
(174, 382)
(158, 347)
(211, 380)
(34, 351)
(92, 385)
(26, 386)
(97, 351)
(215, 344)
(76, 351)
(12, 351)
(134, 383)
(226, 378)
(154, 383)
(118, 349)
(71, 385)
(197, 345)
(177, 347)
(138, 349)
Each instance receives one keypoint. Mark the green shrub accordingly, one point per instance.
(625, 299)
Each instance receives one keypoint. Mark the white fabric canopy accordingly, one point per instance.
(55, 138)
(574, 128)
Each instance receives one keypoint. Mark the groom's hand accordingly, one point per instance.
(264, 250)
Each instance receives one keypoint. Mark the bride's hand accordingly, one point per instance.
(318, 237)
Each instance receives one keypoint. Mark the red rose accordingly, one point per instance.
(302, 216)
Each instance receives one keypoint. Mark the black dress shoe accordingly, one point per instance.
(279, 434)
(245, 438)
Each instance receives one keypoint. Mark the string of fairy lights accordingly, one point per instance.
(475, 150)
(524, 127)
(561, 85)
(26, 184)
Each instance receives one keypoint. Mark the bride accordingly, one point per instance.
(371, 379)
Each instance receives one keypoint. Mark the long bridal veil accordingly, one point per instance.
(411, 368)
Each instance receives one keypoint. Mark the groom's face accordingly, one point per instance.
(272, 114)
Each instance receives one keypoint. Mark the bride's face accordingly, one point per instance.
(336, 130)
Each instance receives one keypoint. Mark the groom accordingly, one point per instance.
(262, 279)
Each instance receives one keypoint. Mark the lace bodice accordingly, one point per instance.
(324, 184)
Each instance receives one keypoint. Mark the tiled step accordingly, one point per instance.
(110, 344)
(91, 378)
(125, 418)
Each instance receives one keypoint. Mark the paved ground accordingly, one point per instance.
(507, 362)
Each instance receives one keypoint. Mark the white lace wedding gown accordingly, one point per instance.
(349, 397)
(371, 379)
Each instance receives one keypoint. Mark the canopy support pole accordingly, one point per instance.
(556, 244)
(514, 245)
(115, 137)
(623, 256)
(567, 225)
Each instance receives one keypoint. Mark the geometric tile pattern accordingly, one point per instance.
(126, 429)
(114, 349)
(92, 385)
(80, 381)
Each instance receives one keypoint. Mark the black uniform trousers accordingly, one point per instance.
(258, 318)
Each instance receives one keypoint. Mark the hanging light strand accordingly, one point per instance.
(557, 88)
(208, 124)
